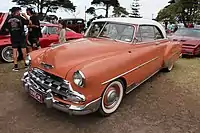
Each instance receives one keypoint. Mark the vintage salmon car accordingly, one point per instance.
(93, 73)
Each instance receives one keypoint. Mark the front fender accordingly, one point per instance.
(35, 54)
(97, 72)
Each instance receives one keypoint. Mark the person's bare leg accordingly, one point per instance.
(15, 68)
(24, 53)
(15, 55)
(30, 49)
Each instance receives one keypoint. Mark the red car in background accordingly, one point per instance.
(50, 34)
(49, 31)
(190, 39)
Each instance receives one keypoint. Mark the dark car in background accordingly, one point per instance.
(190, 39)
(76, 24)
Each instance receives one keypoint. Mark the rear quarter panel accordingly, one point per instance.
(172, 52)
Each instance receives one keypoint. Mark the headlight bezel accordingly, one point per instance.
(79, 79)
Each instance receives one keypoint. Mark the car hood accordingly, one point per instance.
(64, 57)
(186, 41)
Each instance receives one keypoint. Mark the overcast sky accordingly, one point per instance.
(148, 7)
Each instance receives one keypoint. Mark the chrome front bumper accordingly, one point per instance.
(50, 101)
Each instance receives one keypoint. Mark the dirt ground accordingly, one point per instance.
(167, 103)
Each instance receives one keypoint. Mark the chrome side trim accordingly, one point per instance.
(79, 108)
(175, 53)
(135, 68)
(142, 82)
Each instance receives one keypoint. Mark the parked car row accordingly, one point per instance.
(49, 31)
(94, 73)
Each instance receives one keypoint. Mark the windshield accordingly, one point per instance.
(188, 32)
(112, 31)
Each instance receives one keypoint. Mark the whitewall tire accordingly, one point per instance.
(7, 54)
(111, 98)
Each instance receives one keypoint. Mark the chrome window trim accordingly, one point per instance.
(135, 68)
(164, 39)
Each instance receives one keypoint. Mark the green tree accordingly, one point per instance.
(186, 11)
(91, 11)
(119, 11)
(48, 5)
(106, 3)
(135, 7)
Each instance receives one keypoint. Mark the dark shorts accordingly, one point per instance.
(19, 44)
(32, 40)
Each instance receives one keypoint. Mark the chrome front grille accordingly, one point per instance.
(48, 81)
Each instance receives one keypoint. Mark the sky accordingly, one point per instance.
(148, 9)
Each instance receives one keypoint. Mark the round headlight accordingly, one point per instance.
(28, 60)
(79, 79)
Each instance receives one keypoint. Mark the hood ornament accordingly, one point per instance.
(46, 66)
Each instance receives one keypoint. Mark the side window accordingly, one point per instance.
(69, 22)
(147, 33)
(52, 30)
(158, 33)
(138, 36)
(79, 22)
(45, 30)
(109, 31)
(127, 34)
(95, 29)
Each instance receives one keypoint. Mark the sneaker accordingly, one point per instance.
(15, 69)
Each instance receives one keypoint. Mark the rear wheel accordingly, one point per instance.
(169, 66)
(111, 98)
(7, 54)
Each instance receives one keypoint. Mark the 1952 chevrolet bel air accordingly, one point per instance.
(93, 73)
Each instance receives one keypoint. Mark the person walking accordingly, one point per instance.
(62, 33)
(15, 25)
(34, 30)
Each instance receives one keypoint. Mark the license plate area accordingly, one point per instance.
(36, 95)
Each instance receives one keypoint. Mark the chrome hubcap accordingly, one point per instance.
(170, 66)
(8, 54)
(111, 98)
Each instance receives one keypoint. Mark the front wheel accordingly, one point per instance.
(7, 54)
(111, 98)
(169, 66)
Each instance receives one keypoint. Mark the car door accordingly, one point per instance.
(152, 40)
(147, 55)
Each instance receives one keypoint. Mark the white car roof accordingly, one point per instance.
(136, 21)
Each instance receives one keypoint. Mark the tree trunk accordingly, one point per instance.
(183, 19)
(41, 7)
(46, 11)
(38, 6)
(107, 8)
